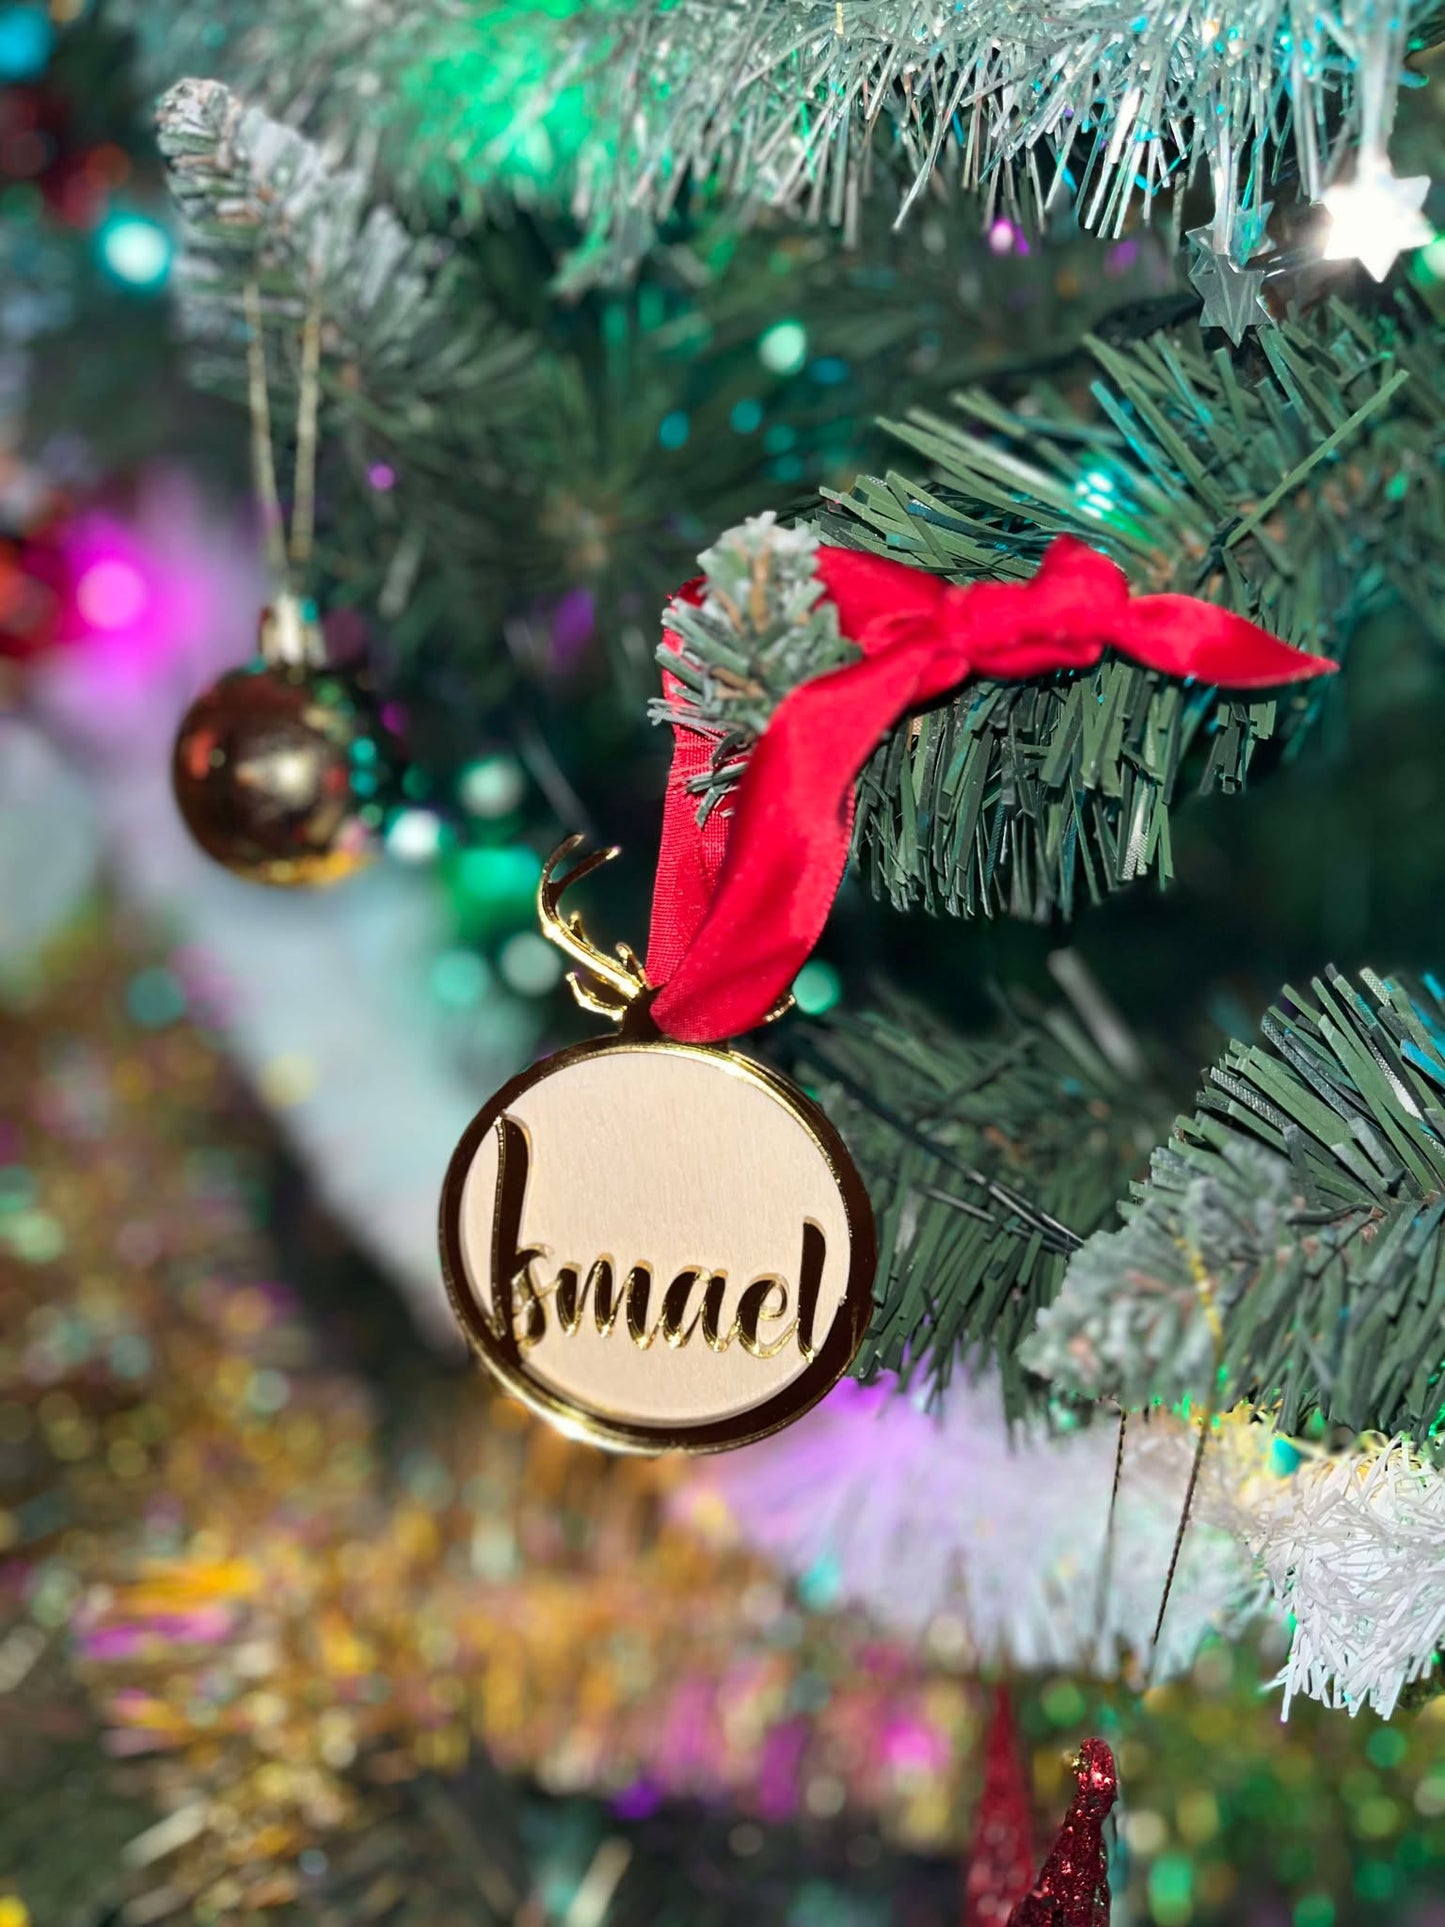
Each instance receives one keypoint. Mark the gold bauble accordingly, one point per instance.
(276, 769)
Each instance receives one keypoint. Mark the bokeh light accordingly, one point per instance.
(136, 250)
(783, 348)
(674, 429)
(460, 979)
(530, 965)
(817, 988)
(502, 879)
(492, 786)
(415, 836)
(26, 42)
(112, 594)
(1095, 491)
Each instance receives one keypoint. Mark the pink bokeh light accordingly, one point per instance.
(112, 594)
(164, 597)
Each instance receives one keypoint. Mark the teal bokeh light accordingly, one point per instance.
(136, 250)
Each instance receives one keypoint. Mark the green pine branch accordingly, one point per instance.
(760, 626)
(1303, 1207)
(987, 1160)
(1301, 490)
(539, 447)
(411, 340)
(1298, 484)
(419, 372)
(454, 108)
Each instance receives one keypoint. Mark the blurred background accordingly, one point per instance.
(298, 1620)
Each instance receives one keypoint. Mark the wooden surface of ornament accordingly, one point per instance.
(658, 1246)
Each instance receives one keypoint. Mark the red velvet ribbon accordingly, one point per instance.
(739, 903)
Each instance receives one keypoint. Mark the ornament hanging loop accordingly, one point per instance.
(617, 990)
(290, 637)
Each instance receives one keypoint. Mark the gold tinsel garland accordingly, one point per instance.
(281, 1596)
(290, 1596)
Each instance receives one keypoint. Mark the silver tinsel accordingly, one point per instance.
(805, 105)
(1353, 1549)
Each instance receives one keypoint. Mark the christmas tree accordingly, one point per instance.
(512, 320)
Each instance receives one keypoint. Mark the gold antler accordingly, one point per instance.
(613, 987)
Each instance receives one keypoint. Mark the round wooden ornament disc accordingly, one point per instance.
(687, 1248)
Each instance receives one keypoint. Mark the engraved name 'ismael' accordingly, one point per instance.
(692, 1300)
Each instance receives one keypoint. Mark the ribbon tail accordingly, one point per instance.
(1186, 637)
(787, 846)
(689, 856)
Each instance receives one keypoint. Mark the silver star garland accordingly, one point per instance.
(1233, 296)
(1375, 216)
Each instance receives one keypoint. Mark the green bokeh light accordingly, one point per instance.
(492, 785)
(1314, 1910)
(1376, 1880)
(1171, 1890)
(783, 348)
(459, 979)
(1064, 1703)
(136, 250)
(817, 988)
(674, 429)
(1387, 1747)
(502, 879)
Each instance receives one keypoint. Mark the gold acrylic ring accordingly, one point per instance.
(836, 1354)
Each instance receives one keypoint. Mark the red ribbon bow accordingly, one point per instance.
(740, 902)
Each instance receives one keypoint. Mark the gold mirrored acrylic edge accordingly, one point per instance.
(800, 1395)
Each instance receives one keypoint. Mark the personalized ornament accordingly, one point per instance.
(654, 1241)
(656, 1245)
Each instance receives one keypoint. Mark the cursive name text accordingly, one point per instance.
(526, 1304)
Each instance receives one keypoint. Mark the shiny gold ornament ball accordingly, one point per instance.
(277, 772)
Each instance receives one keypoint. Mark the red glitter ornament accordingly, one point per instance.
(1001, 1864)
(1073, 1889)
(34, 581)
